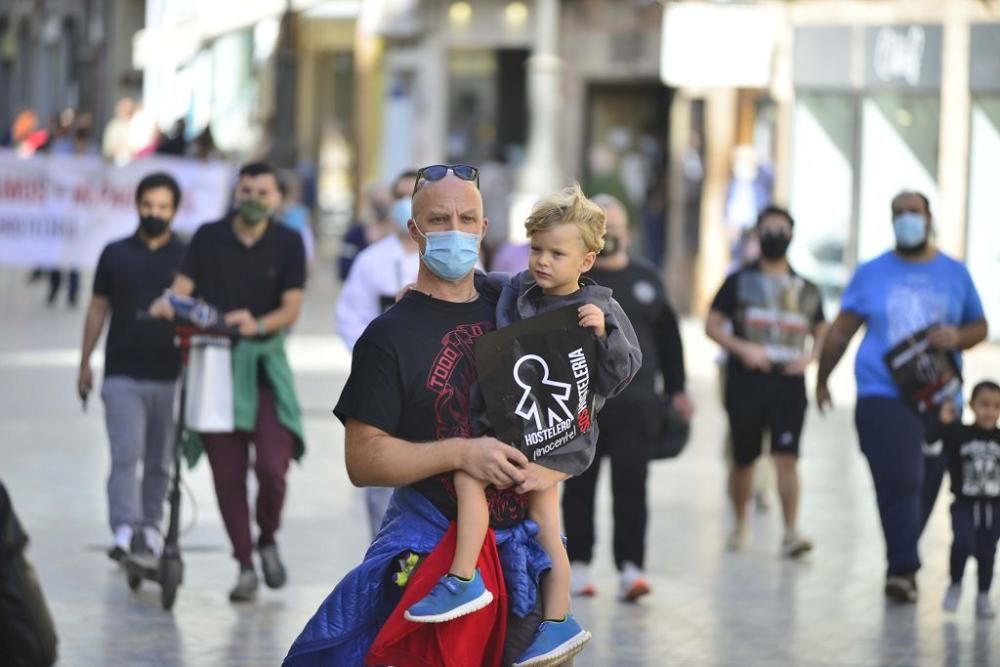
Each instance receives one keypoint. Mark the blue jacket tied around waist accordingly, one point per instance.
(345, 625)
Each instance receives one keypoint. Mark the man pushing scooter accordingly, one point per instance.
(253, 270)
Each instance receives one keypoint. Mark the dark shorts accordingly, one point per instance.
(765, 403)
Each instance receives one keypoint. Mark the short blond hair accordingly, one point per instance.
(569, 206)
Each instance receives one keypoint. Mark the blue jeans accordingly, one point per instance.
(891, 435)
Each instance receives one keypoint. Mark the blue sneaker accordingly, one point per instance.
(555, 642)
(450, 598)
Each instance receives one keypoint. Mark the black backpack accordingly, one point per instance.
(27, 634)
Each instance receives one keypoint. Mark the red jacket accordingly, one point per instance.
(469, 641)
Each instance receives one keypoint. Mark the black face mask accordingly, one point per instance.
(612, 244)
(774, 246)
(152, 226)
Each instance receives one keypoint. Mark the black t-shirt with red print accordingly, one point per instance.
(412, 372)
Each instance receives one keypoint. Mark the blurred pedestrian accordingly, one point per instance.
(896, 295)
(377, 276)
(141, 365)
(174, 143)
(61, 141)
(115, 141)
(253, 269)
(763, 316)
(294, 214)
(363, 232)
(631, 421)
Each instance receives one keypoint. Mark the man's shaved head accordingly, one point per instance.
(450, 192)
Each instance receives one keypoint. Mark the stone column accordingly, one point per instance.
(542, 172)
(713, 254)
(953, 151)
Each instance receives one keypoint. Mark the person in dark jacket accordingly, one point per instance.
(972, 453)
(629, 422)
(27, 634)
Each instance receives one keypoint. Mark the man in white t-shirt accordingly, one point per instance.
(381, 270)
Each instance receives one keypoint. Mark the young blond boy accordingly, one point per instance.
(566, 232)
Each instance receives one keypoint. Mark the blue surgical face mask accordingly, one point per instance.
(400, 213)
(450, 255)
(911, 230)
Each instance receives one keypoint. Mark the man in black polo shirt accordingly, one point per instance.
(141, 364)
(253, 269)
(631, 420)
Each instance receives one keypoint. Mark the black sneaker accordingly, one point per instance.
(274, 571)
(117, 554)
(902, 588)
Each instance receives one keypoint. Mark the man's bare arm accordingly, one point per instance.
(97, 314)
(375, 458)
(835, 343)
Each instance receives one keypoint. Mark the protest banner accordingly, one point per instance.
(59, 211)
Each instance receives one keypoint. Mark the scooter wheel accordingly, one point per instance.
(171, 573)
(134, 581)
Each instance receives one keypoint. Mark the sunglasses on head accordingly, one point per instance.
(436, 172)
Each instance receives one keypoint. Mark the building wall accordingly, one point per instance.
(75, 54)
(948, 99)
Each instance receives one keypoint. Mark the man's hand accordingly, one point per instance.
(944, 337)
(243, 320)
(495, 462)
(84, 382)
(683, 405)
(799, 366)
(591, 317)
(161, 308)
(823, 399)
(539, 478)
(754, 357)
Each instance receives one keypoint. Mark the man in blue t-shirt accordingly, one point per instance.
(896, 295)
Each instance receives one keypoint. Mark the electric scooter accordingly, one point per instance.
(198, 324)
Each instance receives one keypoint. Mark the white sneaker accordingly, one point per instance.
(737, 540)
(983, 607)
(153, 539)
(951, 597)
(580, 582)
(121, 544)
(794, 545)
(633, 584)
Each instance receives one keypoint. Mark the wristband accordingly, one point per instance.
(260, 327)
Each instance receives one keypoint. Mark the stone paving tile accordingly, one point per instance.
(709, 608)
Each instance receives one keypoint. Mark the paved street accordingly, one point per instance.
(709, 607)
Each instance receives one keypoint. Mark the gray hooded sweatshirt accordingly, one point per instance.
(618, 355)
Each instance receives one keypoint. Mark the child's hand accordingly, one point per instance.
(948, 412)
(591, 317)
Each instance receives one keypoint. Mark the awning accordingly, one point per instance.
(708, 46)
(179, 41)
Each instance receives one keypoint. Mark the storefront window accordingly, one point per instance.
(472, 101)
(899, 152)
(822, 188)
